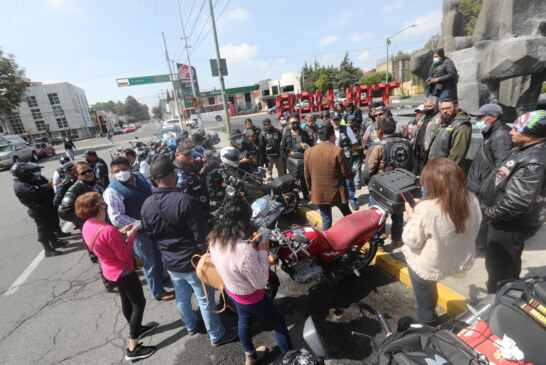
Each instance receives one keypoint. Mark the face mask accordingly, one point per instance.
(436, 60)
(429, 112)
(123, 175)
(295, 127)
(37, 173)
(481, 124)
(239, 141)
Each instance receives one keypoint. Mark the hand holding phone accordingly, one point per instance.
(408, 198)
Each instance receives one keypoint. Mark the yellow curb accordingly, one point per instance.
(452, 302)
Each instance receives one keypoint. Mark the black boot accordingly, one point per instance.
(49, 251)
(56, 243)
(61, 234)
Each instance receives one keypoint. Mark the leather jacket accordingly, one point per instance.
(515, 193)
(66, 209)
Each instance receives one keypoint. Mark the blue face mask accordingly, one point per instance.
(37, 173)
(436, 60)
(481, 124)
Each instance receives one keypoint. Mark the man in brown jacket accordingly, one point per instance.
(326, 169)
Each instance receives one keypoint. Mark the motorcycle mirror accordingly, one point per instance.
(311, 337)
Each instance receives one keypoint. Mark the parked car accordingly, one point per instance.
(138, 125)
(272, 110)
(57, 140)
(15, 149)
(118, 130)
(129, 129)
(44, 149)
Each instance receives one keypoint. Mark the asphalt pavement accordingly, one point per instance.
(56, 311)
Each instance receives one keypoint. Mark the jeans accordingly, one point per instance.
(442, 95)
(326, 213)
(397, 226)
(70, 154)
(356, 163)
(132, 302)
(426, 296)
(184, 284)
(147, 249)
(266, 310)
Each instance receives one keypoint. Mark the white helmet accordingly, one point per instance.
(230, 156)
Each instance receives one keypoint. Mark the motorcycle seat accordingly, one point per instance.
(277, 184)
(350, 228)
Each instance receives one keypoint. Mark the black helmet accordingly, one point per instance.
(230, 156)
(24, 170)
(64, 160)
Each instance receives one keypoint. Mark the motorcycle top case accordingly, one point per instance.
(386, 188)
(295, 167)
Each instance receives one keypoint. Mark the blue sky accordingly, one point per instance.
(92, 43)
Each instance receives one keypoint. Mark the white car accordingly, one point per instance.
(193, 123)
(14, 149)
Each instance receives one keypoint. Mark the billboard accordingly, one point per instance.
(185, 77)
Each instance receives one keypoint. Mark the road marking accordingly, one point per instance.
(21, 279)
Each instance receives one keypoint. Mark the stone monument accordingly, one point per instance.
(504, 61)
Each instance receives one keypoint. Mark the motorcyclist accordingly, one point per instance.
(191, 180)
(245, 150)
(292, 145)
(35, 193)
(58, 175)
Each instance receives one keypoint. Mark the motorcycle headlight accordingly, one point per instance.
(230, 191)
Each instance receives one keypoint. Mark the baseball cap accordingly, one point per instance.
(90, 153)
(161, 167)
(183, 148)
(266, 121)
(235, 133)
(488, 109)
(380, 109)
(67, 166)
(335, 116)
(420, 108)
(351, 118)
(532, 124)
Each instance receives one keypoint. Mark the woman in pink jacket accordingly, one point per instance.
(116, 257)
(244, 268)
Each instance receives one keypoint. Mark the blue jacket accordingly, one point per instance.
(182, 234)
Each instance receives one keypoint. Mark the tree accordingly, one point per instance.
(374, 78)
(12, 85)
(157, 112)
(347, 75)
(470, 10)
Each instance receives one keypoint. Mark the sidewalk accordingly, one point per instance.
(454, 291)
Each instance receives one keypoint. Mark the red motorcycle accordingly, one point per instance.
(307, 254)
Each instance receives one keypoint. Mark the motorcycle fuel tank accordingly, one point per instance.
(311, 240)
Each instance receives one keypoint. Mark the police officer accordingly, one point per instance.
(99, 166)
(190, 180)
(35, 193)
(59, 175)
(345, 139)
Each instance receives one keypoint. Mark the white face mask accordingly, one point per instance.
(239, 141)
(436, 60)
(123, 175)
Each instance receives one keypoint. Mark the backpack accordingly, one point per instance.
(207, 273)
(424, 346)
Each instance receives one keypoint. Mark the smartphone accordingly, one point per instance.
(265, 235)
(408, 198)
(136, 224)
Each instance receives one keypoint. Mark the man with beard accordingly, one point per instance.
(452, 139)
(425, 128)
(100, 168)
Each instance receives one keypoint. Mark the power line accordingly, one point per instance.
(204, 25)
(218, 17)
(196, 19)
(189, 14)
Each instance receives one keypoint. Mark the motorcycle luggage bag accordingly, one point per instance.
(295, 167)
(386, 188)
(424, 346)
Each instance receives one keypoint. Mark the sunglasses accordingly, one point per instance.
(85, 172)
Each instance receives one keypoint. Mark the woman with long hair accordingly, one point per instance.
(116, 256)
(244, 268)
(440, 233)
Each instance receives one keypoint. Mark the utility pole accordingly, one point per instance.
(220, 71)
(173, 79)
(196, 97)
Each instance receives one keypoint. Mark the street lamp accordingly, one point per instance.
(388, 43)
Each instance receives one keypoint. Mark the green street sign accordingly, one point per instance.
(143, 80)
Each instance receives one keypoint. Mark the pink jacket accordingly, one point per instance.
(110, 247)
(243, 269)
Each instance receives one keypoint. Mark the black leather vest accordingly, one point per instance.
(397, 153)
(442, 140)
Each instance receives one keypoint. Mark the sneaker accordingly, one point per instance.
(354, 206)
(197, 329)
(230, 335)
(148, 328)
(110, 287)
(140, 352)
(166, 297)
(257, 356)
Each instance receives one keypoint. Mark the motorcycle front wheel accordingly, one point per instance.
(290, 202)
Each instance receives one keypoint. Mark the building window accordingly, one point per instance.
(275, 90)
(58, 111)
(32, 103)
(40, 125)
(265, 93)
(16, 124)
(53, 99)
(62, 123)
(288, 88)
(36, 114)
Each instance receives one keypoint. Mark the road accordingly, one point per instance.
(60, 314)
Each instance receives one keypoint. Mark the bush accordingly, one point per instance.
(543, 90)
(374, 78)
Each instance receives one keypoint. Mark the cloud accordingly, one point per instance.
(240, 52)
(238, 14)
(364, 56)
(328, 40)
(393, 5)
(425, 24)
(64, 6)
(360, 37)
(280, 61)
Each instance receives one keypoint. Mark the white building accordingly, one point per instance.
(52, 110)
(289, 83)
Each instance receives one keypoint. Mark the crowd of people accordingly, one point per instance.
(160, 213)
